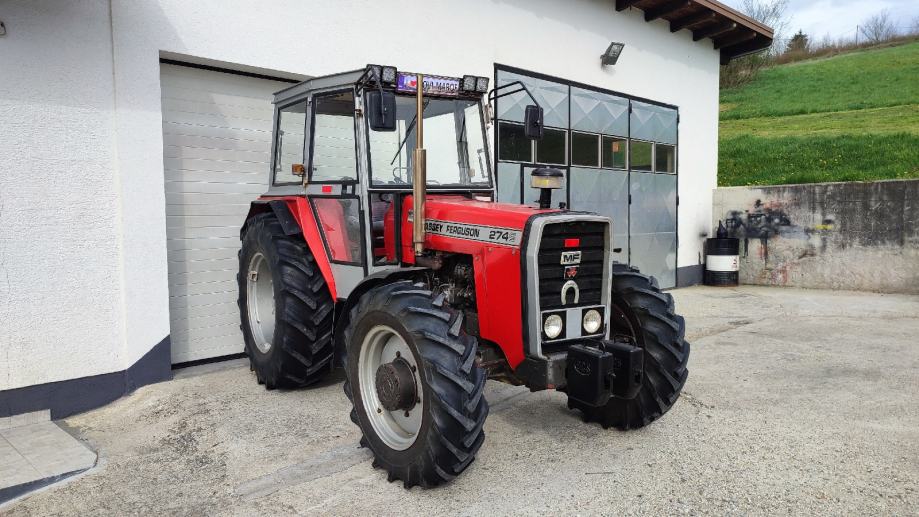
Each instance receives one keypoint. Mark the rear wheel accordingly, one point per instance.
(645, 315)
(416, 391)
(285, 307)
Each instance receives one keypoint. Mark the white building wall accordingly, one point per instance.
(66, 59)
(61, 307)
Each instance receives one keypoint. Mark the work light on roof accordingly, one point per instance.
(473, 83)
(469, 83)
(389, 74)
(385, 74)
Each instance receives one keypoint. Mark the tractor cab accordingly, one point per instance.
(348, 142)
(379, 248)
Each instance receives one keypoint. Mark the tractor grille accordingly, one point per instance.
(589, 276)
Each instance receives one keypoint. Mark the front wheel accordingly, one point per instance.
(643, 314)
(416, 391)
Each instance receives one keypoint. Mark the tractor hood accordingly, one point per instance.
(477, 220)
(463, 209)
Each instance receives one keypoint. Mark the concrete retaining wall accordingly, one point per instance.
(862, 236)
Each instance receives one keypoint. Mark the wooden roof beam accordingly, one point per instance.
(735, 39)
(692, 19)
(713, 30)
(757, 44)
(622, 5)
(653, 13)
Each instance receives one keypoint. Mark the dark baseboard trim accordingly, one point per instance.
(689, 275)
(65, 398)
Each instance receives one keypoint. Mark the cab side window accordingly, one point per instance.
(333, 152)
(291, 131)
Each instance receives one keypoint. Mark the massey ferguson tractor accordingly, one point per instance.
(393, 260)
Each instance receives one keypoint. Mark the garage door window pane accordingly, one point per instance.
(551, 148)
(585, 149)
(641, 156)
(291, 125)
(665, 159)
(333, 139)
(513, 145)
(614, 152)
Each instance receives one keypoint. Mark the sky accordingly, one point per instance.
(838, 18)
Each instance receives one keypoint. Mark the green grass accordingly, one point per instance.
(852, 117)
(859, 80)
(897, 119)
(753, 160)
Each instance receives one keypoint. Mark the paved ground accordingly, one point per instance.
(798, 401)
(35, 451)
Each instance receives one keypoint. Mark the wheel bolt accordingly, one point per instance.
(379, 410)
(414, 369)
(406, 414)
(398, 354)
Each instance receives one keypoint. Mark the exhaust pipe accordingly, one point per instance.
(419, 173)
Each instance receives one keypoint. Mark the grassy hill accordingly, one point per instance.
(849, 117)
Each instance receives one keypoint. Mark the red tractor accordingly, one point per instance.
(392, 260)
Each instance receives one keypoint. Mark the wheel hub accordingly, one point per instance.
(395, 385)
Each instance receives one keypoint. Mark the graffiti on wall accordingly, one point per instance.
(767, 221)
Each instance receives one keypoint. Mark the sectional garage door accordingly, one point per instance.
(216, 146)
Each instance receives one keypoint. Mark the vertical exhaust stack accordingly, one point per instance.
(419, 176)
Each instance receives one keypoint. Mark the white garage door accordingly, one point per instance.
(216, 146)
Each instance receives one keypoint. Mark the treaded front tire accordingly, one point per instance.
(453, 405)
(301, 348)
(647, 316)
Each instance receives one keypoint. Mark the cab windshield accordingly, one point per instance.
(454, 137)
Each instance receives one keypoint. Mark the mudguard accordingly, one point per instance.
(296, 218)
(343, 310)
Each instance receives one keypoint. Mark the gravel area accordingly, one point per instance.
(798, 402)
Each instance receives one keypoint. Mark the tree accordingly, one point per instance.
(798, 43)
(742, 70)
(878, 28)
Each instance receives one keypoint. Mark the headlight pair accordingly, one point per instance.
(592, 322)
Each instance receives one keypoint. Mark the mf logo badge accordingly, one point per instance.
(582, 367)
(571, 257)
(569, 285)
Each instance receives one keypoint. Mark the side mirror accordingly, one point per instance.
(532, 122)
(381, 108)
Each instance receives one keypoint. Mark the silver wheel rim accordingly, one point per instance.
(260, 302)
(397, 429)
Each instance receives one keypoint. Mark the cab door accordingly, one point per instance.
(333, 187)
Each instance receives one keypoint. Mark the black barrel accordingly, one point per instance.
(722, 255)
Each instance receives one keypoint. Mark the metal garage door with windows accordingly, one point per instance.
(216, 147)
(618, 154)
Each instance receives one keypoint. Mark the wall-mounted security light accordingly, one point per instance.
(2, 29)
(611, 55)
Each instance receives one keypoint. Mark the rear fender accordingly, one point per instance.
(296, 219)
(343, 310)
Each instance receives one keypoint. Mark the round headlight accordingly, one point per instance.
(552, 326)
(592, 321)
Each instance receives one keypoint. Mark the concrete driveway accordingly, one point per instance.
(798, 401)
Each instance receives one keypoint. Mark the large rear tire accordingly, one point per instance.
(285, 307)
(641, 312)
(416, 391)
